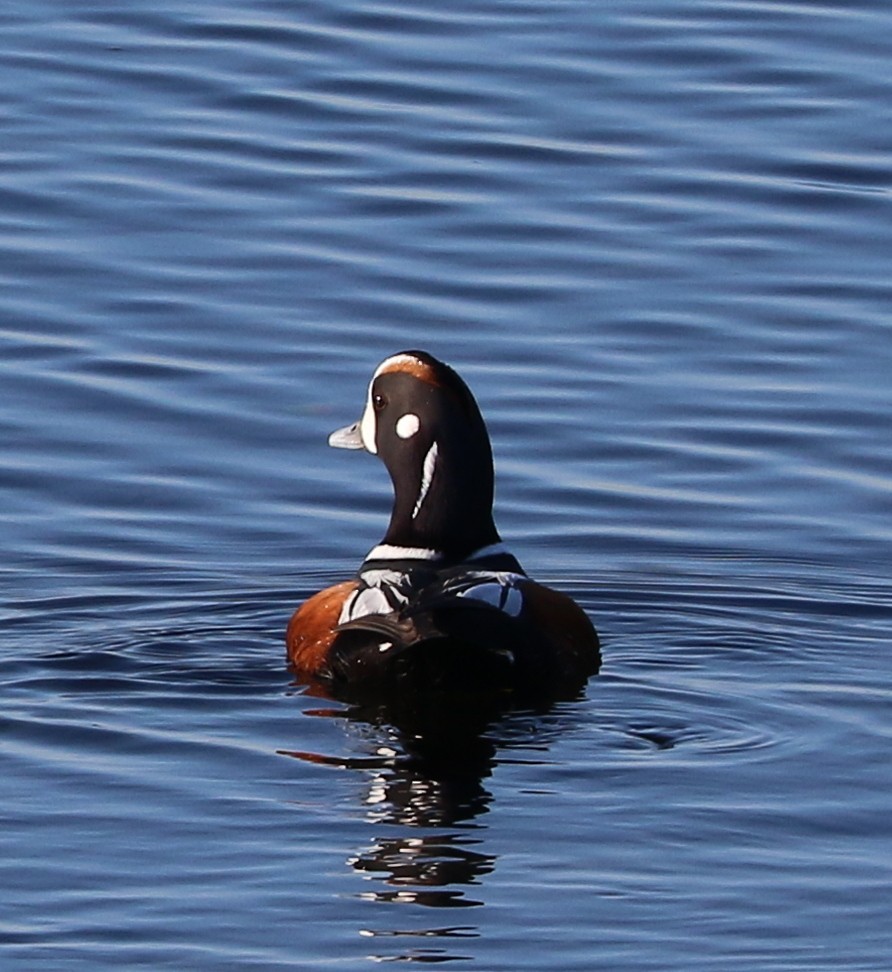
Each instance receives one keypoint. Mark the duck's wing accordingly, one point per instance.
(449, 630)
(465, 626)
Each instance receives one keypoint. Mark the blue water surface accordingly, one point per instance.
(655, 237)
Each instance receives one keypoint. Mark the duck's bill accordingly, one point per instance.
(348, 437)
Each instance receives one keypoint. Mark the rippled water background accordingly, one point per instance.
(656, 238)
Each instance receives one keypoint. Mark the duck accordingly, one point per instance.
(440, 603)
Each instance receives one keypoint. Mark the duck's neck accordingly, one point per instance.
(447, 506)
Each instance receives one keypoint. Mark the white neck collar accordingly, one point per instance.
(389, 551)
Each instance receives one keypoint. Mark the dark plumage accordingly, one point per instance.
(440, 603)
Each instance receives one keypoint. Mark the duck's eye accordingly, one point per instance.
(379, 401)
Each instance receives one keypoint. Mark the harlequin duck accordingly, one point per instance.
(440, 603)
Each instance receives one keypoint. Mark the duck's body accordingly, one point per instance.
(440, 603)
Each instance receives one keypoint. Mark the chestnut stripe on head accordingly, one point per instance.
(410, 365)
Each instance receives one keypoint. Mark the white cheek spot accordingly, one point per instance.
(407, 425)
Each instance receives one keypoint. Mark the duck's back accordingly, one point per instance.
(459, 628)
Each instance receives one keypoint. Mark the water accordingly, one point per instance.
(656, 239)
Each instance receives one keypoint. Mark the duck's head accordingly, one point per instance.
(422, 421)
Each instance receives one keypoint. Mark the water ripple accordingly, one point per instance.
(655, 240)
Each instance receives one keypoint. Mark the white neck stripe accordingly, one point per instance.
(427, 475)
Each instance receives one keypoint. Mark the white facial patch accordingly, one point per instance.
(368, 424)
(427, 474)
(407, 425)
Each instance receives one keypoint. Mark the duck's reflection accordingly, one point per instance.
(427, 762)
(431, 870)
